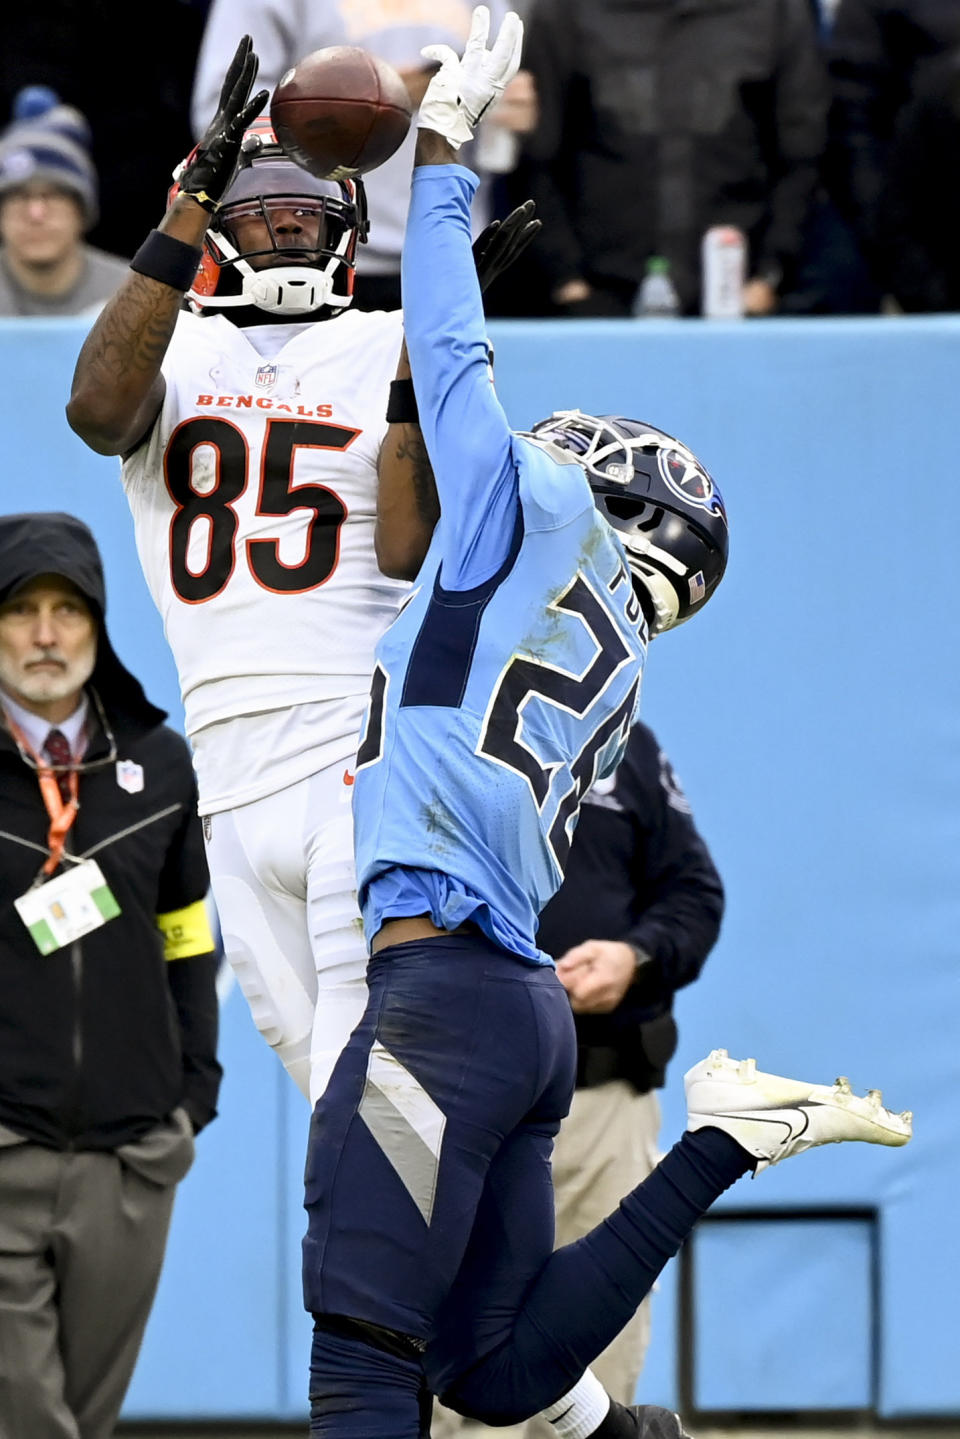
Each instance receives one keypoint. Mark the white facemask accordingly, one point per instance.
(286, 290)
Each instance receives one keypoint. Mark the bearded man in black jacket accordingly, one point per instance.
(108, 1006)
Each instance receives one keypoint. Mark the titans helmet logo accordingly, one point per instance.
(688, 481)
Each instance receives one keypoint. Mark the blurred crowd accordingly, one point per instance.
(825, 131)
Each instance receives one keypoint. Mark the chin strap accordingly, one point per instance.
(291, 289)
(662, 595)
(283, 289)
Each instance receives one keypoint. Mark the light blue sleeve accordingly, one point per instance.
(465, 430)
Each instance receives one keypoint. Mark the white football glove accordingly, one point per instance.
(463, 90)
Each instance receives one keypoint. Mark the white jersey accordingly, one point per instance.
(254, 502)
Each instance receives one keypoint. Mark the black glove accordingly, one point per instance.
(496, 247)
(208, 170)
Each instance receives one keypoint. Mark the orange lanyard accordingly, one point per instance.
(61, 814)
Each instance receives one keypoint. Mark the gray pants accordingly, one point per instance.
(82, 1238)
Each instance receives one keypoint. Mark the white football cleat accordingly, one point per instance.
(772, 1118)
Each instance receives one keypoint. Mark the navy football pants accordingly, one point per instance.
(430, 1200)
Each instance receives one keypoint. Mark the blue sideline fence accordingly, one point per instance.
(813, 714)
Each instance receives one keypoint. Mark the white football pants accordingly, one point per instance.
(283, 879)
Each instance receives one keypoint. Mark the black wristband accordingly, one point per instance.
(171, 261)
(402, 404)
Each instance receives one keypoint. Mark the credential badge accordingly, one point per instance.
(130, 776)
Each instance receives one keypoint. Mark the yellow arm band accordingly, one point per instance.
(186, 932)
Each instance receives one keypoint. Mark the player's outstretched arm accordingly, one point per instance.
(407, 504)
(118, 387)
(466, 432)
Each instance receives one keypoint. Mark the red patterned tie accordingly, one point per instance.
(57, 750)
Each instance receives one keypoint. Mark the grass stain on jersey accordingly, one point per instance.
(595, 541)
(438, 823)
(550, 633)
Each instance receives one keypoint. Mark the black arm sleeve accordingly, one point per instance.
(193, 980)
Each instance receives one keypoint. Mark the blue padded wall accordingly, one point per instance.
(813, 713)
(783, 1315)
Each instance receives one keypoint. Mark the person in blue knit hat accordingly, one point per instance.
(48, 203)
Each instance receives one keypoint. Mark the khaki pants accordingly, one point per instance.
(82, 1238)
(607, 1145)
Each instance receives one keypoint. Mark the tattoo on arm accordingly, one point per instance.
(413, 450)
(117, 384)
(134, 332)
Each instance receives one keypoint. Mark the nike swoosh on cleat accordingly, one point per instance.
(773, 1117)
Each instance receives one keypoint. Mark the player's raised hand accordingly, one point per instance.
(206, 173)
(496, 247)
(463, 89)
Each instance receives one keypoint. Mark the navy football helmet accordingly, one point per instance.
(663, 504)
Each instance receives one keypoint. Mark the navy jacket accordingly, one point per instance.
(638, 871)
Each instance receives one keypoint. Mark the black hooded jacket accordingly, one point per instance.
(101, 1040)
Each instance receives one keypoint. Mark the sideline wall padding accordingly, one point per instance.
(813, 714)
(782, 1313)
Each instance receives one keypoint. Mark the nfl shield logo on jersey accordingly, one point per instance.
(266, 376)
(130, 776)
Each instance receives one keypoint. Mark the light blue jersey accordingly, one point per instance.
(509, 681)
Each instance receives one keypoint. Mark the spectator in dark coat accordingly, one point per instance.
(108, 1006)
(658, 120)
(879, 52)
(918, 212)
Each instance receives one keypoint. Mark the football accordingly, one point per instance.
(340, 112)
